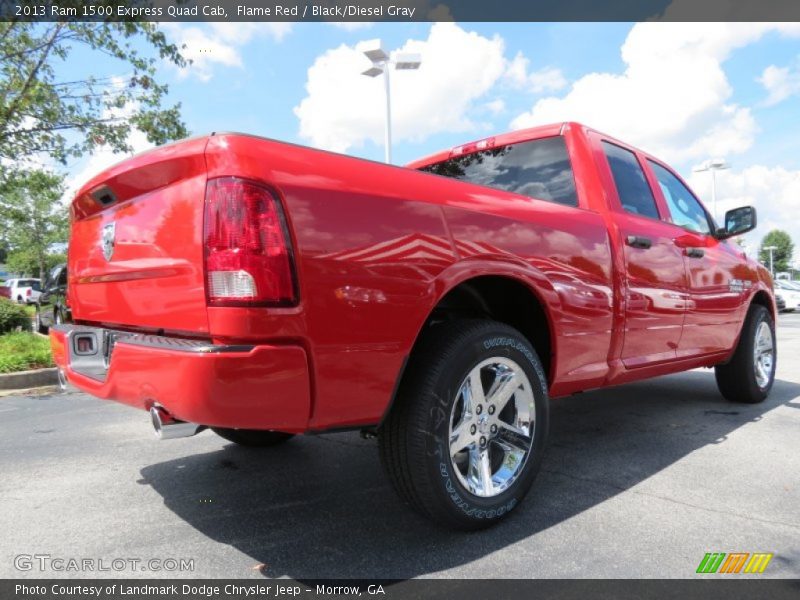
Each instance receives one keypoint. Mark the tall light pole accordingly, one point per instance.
(770, 249)
(381, 65)
(713, 165)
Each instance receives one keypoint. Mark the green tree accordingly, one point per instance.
(42, 113)
(33, 219)
(784, 248)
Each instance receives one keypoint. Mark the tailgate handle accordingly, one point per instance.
(637, 241)
(695, 252)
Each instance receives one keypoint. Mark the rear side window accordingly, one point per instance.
(685, 210)
(632, 187)
(539, 169)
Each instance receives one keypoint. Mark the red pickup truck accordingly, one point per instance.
(264, 289)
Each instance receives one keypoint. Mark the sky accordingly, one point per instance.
(684, 92)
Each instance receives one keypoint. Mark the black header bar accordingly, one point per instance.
(399, 10)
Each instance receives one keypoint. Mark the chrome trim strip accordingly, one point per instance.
(180, 345)
(155, 341)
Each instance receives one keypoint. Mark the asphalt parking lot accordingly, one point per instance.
(639, 481)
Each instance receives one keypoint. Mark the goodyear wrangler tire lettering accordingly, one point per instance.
(466, 435)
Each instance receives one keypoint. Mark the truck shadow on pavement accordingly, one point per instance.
(321, 506)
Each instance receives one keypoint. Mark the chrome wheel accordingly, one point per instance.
(491, 426)
(763, 355)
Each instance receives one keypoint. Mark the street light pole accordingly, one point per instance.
(713, 165)
(387, 134)
(381, 65)
(771, 249)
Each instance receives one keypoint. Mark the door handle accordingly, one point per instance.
(695, 252)
(637, 241)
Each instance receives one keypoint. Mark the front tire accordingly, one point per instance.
(465, 438)
(254, 438)
(749, 375)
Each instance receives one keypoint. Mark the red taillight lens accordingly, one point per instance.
(247, 251)
(28, 293)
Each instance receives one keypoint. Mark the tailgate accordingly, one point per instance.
(136, 252)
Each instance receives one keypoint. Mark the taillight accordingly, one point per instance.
(28, 293)
(248, 256)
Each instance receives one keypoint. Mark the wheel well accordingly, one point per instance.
(761, 297)
(502, 299)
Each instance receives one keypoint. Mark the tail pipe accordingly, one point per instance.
(168, 427)
(62, 380)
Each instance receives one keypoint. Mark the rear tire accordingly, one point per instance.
(749, 375)
(254, 438)
(465, 437)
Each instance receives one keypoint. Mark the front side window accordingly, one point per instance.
(633, 190)
(685, 210)
(62, 276)
(539, 169)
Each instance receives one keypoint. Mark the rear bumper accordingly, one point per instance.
(252, 386)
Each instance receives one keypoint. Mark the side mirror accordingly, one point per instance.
(738, 221)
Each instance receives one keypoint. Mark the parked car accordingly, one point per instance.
(780, 303)
(264, 289)
(24, 291)
(789, 293)
(5, 291)
(795, 285)
(52, 307)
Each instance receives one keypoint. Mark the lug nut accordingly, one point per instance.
(478, 409)
(483, 441)
(491, 410)
(493, 429)
(473, 429)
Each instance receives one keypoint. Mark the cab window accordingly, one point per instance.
(633, 190)
(685, 210)
(51, 277)
(539, 169)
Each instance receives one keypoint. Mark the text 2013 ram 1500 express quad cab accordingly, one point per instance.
(264, 289)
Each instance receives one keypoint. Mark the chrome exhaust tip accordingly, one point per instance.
(167, 427)
(62, 380)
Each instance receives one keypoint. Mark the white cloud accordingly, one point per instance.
(496, 106)
(673, 98)
(547, 79)
(774, 191)
(218, 43)
(780, 83)
(351, 25)
(343, 109)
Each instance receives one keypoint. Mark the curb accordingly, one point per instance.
(29, 379)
